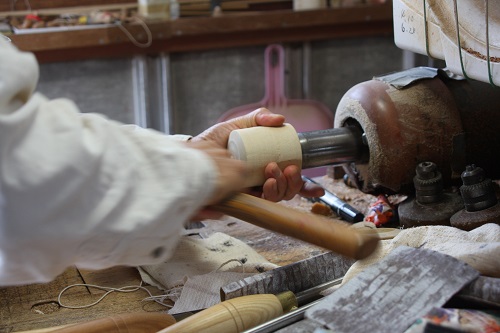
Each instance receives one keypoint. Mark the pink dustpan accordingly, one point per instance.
(304, 115)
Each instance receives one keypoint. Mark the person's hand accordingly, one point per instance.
(279, 184)
(231, 175)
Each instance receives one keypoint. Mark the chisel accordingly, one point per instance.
(243, 313)
(341, 208)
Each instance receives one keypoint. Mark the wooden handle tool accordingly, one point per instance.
(330, 234)
(236, 315)
(123, 323)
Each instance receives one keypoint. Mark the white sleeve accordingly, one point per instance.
(81, 189)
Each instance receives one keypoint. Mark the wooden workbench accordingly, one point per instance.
(35, 307)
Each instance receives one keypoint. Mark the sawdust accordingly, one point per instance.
(321, 209)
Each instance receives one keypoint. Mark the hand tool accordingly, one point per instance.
(330, 234)
(341, 208)
(236, 315)
(122, 323)
(245, 312)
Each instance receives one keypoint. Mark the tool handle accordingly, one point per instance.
(330, 234)
(123, 323)
(231, 316)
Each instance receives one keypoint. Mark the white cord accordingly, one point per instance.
(126, 289)
(132, 39)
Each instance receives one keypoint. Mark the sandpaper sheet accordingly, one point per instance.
(390, 295)
(296, 277)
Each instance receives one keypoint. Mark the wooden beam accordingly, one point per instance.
(202, 33)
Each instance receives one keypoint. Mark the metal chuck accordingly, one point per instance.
(431, 205)
(479, 197)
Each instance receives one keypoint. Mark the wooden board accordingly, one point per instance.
(35, 306)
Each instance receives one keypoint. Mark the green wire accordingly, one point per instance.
(426, 30)
(458, 40)
(486, 3)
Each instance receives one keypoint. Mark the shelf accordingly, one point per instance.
(202, 33)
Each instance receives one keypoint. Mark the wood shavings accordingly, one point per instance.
(321, 209)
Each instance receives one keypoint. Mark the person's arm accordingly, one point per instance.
(81, 189)
(78, 189)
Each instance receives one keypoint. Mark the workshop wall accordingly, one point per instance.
(203, 85)
(101, 86)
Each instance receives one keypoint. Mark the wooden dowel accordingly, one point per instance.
(124, 323)
(234, 316)
(330, 234)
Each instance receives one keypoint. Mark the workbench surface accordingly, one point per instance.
(35, 307)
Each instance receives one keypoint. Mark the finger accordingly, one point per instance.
(265, 118)
(278, 190)
(294, 181)
(270, 190)
(311, 190)
(259, 117)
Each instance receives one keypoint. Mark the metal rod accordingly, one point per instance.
(332, 146)
(295, 315)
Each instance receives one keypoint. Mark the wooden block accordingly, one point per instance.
(391, 294)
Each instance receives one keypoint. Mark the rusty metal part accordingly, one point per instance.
(449, 122)
(428, 183)
(470, 220)
(481, 203)
(431, 205)
(477, 190)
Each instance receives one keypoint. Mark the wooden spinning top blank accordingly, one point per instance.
(259, 146)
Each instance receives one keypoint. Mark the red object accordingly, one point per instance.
(380, 212)
(33, 17)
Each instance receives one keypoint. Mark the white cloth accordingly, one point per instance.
(192, 257)
(81, 189)
(200, 267)
(480, 248)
